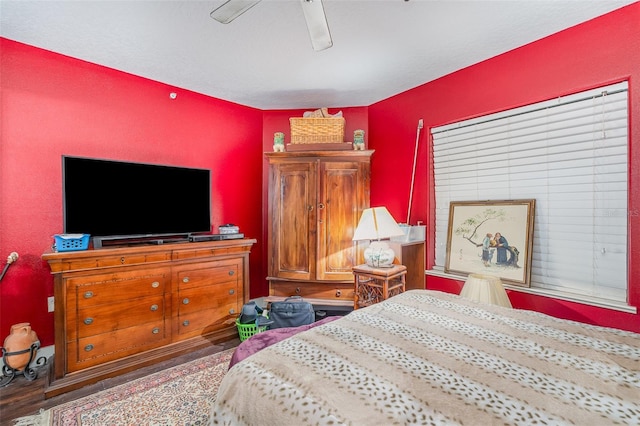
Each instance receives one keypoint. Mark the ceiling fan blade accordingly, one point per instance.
(317, 24)
(231, 9)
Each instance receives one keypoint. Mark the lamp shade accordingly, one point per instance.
(486, 289)
(376, 223)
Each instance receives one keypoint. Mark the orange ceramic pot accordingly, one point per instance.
(21, 338)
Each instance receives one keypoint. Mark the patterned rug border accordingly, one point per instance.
(69, 413)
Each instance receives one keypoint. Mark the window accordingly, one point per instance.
(570, 154)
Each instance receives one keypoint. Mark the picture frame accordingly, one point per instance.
(472, 227)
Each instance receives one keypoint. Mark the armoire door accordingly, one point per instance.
(342, 196)
(292, 216)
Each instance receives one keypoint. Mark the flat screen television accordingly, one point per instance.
(113, 200)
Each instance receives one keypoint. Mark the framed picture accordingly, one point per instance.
(491, 238)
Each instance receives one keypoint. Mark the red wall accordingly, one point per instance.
(53, 105)
(601, 51)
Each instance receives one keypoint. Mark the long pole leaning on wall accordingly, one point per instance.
(413, 171)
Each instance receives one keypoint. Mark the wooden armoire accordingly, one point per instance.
(316, 199)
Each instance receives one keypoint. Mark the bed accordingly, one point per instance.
(426, 357)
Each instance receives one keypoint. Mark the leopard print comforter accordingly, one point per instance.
(432, 358)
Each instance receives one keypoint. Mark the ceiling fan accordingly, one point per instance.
(313, 13)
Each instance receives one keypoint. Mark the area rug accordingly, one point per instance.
(181, 395)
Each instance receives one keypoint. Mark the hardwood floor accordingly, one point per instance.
(22, 397)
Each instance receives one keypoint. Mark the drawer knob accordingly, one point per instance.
(155, 330)
(185, 301)
(338, 293)
(232, 311)
(231, 272)
(297, 290)
(88, 348)
(154, 308)
(155, 284)
(88, 295)
(88, 321)
(185, 280)
(232, 291)
(185, 323)
(122, 259)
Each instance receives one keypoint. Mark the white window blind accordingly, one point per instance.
(571, 155)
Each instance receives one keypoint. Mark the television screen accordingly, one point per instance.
(120, 199)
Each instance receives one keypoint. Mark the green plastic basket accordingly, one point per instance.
(247, 330)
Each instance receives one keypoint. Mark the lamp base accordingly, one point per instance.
(379, 255)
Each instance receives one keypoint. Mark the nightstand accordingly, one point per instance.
(373, 285)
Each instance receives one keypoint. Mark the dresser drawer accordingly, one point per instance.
(211, 273)
(108, 317)
(196, 323)
(132, 259)
(91, 260)
(201, 298)
(93, 290)
(94, 350)
(207, 252)
(335, 292)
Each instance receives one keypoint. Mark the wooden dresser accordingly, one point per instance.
(316, 199)
(118, 309)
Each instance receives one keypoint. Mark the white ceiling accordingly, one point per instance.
(264, 58)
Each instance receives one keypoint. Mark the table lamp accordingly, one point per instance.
(486, 289)
(375, 225)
